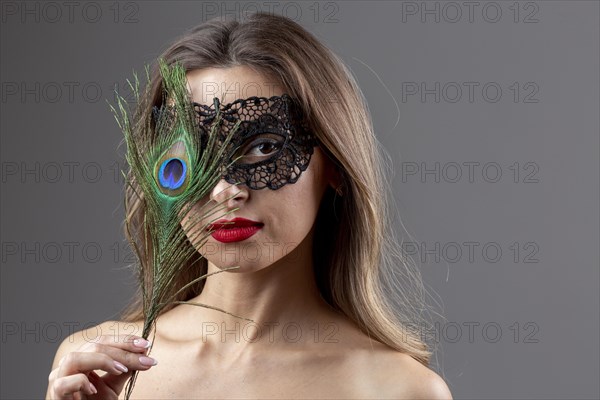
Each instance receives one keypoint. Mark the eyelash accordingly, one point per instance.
(259, 142)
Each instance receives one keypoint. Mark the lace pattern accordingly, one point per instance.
(275, 122)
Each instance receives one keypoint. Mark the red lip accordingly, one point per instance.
(235, 230)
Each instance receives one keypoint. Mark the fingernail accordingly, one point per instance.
(143, 343)
(120, 367)
(148, 361)
(93, 388)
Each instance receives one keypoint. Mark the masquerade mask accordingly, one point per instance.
(273, 143)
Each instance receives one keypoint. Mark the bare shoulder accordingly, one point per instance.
(398, 375)
(76, 340)
(380, 371)
(375, 370)
(420, 382)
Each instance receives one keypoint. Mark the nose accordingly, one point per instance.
(230, 194)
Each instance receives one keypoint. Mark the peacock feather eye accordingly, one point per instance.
(172, 170)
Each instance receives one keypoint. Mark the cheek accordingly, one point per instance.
(191, 223)
(288, 214)
(293, 211)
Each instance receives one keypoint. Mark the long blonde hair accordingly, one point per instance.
(358, 265)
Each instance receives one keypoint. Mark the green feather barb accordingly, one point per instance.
(171, 170)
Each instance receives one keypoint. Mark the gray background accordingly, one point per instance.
(543, 298)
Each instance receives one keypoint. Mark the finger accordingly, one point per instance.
(53, 375)
(115, 383)
(125, 342)
(76, 362)
(127, 359)
(66, 386)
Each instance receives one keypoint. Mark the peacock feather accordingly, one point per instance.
(171, 168)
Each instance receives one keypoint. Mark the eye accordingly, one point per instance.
(259, 147)
(264, 148)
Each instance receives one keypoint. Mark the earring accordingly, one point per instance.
(339, 191)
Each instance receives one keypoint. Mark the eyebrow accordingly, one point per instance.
(254, 99)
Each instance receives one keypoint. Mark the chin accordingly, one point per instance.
(242, 266)
(250, 256)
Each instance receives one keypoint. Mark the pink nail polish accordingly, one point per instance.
(143, 343)
(148, 361)
(120, 367)
(93, 388)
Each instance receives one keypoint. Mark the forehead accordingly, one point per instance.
(230, 84)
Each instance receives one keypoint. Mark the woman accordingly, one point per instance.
(311, 243)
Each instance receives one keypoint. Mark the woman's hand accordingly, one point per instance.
(117, 355)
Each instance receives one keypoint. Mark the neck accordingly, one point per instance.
(282, 294)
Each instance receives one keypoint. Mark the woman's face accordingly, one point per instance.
(285, 215)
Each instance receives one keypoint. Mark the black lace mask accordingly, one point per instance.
(273, 142)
